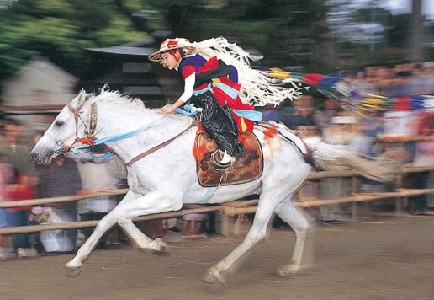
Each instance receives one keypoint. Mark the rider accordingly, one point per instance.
(216, 86)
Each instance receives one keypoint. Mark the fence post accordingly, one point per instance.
(354, 190)
(224, 222)
(398, 199)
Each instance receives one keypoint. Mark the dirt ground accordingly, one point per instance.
(373, 258)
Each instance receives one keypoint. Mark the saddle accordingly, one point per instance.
(247, 167)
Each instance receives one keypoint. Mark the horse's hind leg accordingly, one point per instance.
(255, 234)
(288, 213)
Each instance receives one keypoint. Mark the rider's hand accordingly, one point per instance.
(170, 108)
(167, 109)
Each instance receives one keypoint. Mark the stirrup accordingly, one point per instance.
(216, 161)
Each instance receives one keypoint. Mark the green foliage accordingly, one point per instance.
(61, 30)
(168, 4)
(116, 31)
(286, 32)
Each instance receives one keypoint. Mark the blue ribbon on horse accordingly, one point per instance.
(111, 138)
(120, 136)
(77, 153)
(187, 110)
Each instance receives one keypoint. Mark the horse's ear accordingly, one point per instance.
(80, 97)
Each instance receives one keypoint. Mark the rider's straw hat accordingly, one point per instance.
(172, 44)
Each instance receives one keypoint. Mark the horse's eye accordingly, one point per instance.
(59, 123)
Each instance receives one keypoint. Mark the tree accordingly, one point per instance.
(60, 30)
(404, 37)
(287, 32)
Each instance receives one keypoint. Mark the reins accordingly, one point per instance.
(156, 148)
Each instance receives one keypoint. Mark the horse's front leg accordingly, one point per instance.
(139, 237)
(133, 205)
(152, 203)
(74, 266)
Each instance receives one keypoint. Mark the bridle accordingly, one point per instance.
(80, 122)
(89, 132)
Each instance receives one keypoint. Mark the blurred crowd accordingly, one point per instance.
(404, 79)
(401, 136)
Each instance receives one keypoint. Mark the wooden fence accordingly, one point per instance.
(230, 209)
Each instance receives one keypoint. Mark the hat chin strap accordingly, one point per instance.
(174, 51)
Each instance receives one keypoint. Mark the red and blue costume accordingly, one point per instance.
(217, 89)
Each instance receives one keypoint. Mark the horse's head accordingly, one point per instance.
(70, 125)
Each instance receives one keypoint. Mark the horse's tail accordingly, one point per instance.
(323, 156)
(340, 157)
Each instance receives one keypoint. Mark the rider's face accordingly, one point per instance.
(170, 61)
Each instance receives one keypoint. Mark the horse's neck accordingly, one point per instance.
(154, 128)
(116, 118)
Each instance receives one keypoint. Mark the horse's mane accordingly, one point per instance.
(114, 97)
(133, 113)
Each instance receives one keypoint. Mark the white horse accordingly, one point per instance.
(162, 175)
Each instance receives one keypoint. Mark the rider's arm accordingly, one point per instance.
(188, 92)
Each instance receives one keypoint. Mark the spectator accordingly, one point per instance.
(424, 157)
(322, 117)
(5, 177)
(372, 127)
(18, 189)
(15, 147)
(303, 113)
(272, 113)
(61, 178)
(171, 224)
(194, 225)
(340, 132)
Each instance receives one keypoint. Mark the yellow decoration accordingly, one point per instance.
(243, 124)
(278, 73)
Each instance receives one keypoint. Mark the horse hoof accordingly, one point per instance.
(162, 245)
(213, 277)
(162, 252)
(287, 269)
(73, 271)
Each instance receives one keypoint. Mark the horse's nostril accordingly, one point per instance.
(34, 155)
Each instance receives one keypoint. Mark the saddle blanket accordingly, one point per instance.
(247, 167)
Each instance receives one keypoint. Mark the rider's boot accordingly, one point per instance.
(220, 160)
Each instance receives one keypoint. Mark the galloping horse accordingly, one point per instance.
(162, 175)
